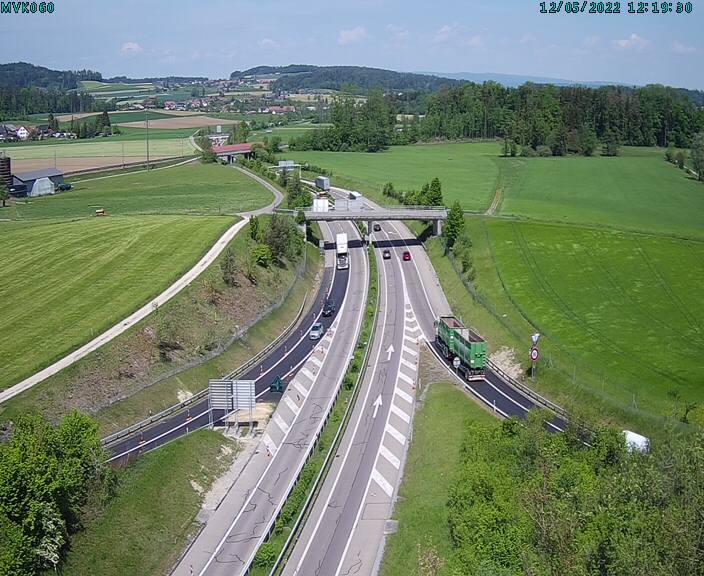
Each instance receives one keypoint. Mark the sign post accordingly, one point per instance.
(534, 353)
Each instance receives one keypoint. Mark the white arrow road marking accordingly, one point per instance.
(377, 403)
(389, 351)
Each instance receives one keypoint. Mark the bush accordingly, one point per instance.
(544, 151)
(528, 152)
(261, 255)
(266, 556)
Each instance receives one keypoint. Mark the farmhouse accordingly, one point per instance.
(24, 184)
(22, 133)
(281, 109)
(169, 105)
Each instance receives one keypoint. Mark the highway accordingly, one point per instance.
(228, 542)
(345, 531)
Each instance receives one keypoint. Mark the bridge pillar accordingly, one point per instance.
(370, 227)
(437, 227)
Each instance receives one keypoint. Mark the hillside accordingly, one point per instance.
(299, 77)
(25, 75)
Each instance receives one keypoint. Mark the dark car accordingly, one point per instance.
(406, 256)
(64, 187)
(386, 254)
(329, 308)
(377, 227)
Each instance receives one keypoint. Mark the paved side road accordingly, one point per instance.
(149, 307)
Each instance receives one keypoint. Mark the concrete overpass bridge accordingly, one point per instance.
(361, 213)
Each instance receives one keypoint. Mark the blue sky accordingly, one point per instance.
(214, 37)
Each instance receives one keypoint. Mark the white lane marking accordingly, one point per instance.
(308, 374)
(269, 443)
(281, 423)
(406, 378)
(409, 351)
(395, 434)
(300, 388)
(411, 340)
(316, 361)
(292, 405)
(400, 413)
(393, 460)
(404, 396)
(408, 364)
(382, 482)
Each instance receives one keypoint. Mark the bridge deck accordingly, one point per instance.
(376, 215)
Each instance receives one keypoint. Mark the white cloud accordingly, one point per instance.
(130, 49)
(397, 37)
(527, 39)
(633, 42)
(269, 44)
(592, 41)
(679, 48)
(457, 35)
(352, 36)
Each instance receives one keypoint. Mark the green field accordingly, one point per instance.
(145, 527)
(102, 147)
(93, 86)
(428, 476)
(637, 191)
(191, 189)
(283, 132)
(468, 172)
(66, 281)
(626, 307)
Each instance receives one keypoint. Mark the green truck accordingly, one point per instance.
(456, 341)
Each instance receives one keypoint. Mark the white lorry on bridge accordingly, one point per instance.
(341, 249)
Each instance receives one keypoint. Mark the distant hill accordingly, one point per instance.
(157, 79)
(301, 76)
(24, 75)
(515, 80)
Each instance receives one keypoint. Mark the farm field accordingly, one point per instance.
(71, 156)
(468, 172)
(94, 86)
(626, 307)
(66, 281)
(638, 190)
(180, 122)
(283, 132)
(191, 189)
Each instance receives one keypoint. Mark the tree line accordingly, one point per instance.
(24, 75)
(561, 119)
(526, 501)
(48, 476)
(21, 102)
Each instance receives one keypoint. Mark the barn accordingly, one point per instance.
(22, 184)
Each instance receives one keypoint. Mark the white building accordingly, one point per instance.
(22, 133)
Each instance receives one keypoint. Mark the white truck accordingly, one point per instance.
(322, 183)
(343, 262)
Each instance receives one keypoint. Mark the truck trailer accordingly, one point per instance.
(343, 262)
(456, 341)
(322, 183)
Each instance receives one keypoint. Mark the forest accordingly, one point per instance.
(562, 119)
(24, 75)
(21, 102)
(526, 501)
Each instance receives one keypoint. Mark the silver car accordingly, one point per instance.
(316, 331)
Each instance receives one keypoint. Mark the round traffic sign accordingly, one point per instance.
(456, 362)
(534, 354)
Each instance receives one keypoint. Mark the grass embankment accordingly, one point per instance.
(467, 171)
(67, 281)
(269, 551)
(145, 527)
(431, 465)
(193, 327)
(191, 189)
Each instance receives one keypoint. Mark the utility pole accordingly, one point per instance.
(146, 119)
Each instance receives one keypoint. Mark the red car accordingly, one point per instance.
(406, 256)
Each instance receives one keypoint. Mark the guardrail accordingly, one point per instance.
(315, 489)
(559, 410)
(112, 438)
